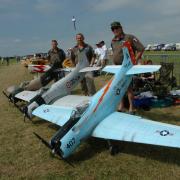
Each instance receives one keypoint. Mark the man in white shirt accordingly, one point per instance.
(101, 54)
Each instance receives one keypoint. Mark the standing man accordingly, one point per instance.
(56, 57)
(87, 83)
(119, 38)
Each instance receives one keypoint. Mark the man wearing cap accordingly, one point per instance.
(87, 84)
(119, 38)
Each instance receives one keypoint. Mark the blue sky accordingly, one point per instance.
(28, 26)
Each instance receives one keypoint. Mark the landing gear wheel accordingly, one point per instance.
(114, 150)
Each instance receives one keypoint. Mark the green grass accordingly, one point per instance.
(22, 156)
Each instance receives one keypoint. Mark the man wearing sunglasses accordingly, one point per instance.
(119, 38)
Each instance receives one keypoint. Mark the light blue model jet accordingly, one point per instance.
(97, 116)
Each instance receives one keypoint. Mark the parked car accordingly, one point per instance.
(160, 46)
(169, 47)
(154, 47)
(178, 46)
(148, 47)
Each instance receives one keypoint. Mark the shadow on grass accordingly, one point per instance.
(39, 121)
(54, 126)
(159, 153)
(88, 150)
(95, 146)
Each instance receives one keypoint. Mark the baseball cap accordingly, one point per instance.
(116, 24)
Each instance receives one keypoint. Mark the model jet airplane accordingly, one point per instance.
(98, 117)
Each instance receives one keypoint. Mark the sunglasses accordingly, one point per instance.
(114, 27)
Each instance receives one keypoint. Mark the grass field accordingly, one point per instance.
(22, 156)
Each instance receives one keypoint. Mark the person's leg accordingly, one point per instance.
(121, 107)
(84, 87)
(130, 98)
(90, 83)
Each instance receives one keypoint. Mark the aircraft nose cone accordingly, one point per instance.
(56, 144)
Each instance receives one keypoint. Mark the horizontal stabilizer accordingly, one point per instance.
(54, 114)
(139, 69)
(112, 68)
(27, 95)
(60, 111)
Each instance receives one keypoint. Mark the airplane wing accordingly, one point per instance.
(138, 69)
(27, 95)
(88, 69)
(124, 127)
(72, 101)
(60, 111)
(69, 69)
(112, 68)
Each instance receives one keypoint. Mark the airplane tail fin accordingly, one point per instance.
(128, 61)
(138, 69)
(127, 44)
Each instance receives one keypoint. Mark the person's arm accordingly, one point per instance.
(63, 56)
(93, 60)
(138, 47)
(138, 55)
(92, 55)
